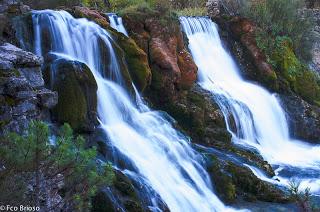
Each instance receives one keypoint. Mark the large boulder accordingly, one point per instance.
(77, 90)
(173, 69)
(234, 181)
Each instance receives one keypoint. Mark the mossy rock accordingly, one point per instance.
(307, 86)
(137, 61)
(300, 79)
(77, 88)
(133, 61)
(123, 191)
(135, 58)
(253, 188)
(222, 182)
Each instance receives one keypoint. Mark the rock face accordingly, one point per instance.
(303, 118)
(77, 90)
(244, 30)
(22, 93)
(8, 10)
(172, 67)
(315, 50)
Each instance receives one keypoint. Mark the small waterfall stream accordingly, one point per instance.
(161, 156)
(116, 23)
(258, 117)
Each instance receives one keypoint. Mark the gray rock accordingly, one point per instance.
(19, 57)
(48, 98)
(33, 75)
(6, 65)
(26, 95)
(24, 108)
(303, 118)
(16, 84)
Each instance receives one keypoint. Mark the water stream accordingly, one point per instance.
(257, 115)
(161, 156)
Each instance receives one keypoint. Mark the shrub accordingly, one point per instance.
(118, 5)
(198, 11)
(282, 18)
(32, 165)
(162, 6)
(97, 4)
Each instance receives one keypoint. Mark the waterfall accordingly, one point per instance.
(116, 23)
(257, 115)
(161, 156)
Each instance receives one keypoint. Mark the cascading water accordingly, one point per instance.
(116, 23)
(160, 155)
(258, 117)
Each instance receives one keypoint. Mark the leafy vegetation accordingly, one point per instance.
(196, 11)
(33, 165)
(284, 35)
(302, 198)
(281, 18)
(180, 7)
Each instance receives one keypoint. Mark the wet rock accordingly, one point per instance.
(303, 118)
(121, 195)
(235, 181)
(136, 60)
(132, 59)
(76, 89)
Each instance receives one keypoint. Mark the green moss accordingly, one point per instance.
(71, 107)
(222, 182)
(76, 89)
(137, 62)
(301, 80)
(252, 187)
(189, 120)
(193, 11)
(307, 86)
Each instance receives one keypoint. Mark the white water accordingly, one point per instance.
(260, 121)
(116, 23)
(159, 153)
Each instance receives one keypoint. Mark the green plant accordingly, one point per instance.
(196, 11)
(33, 165)
(302, 198)
(282, 18)
(118, 5)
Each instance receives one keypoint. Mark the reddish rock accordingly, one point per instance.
(244, 30)
(93, 15)
(172, 66)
